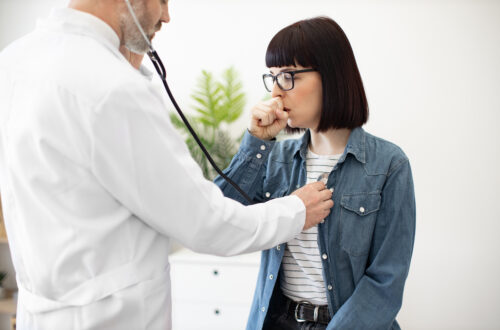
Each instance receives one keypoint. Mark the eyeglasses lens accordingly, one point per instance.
(268, 82)
(284, 80)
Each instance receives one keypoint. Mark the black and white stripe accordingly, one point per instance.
(302, 270)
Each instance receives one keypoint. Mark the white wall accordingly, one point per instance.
(432, 74)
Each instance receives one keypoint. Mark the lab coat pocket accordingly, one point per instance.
(121, 310)
(156, 297)
(357, 221)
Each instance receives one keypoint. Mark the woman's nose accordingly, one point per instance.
(276, 91)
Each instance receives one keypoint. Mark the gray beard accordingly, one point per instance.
(132, 37)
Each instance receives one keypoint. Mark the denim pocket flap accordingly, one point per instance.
(362, 204)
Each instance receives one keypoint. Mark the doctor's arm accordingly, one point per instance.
(379, 293)
(140, 159)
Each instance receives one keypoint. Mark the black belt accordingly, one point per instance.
(304, 311)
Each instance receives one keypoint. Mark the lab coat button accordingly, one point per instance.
(324, 256)
(262, 147)
(268, 194)
(259, 156)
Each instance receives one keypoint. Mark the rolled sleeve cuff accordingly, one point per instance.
(255, 147)
(299, 207)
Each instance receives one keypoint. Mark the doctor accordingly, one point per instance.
(94, 180)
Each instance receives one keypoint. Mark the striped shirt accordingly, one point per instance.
(302, 271)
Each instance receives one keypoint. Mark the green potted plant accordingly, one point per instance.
(217, 104)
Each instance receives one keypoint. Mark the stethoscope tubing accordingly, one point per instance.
(160, 68)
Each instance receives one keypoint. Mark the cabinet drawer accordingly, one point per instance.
(203, 282)
(194, 316)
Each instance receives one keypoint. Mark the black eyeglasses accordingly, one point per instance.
(284, 79)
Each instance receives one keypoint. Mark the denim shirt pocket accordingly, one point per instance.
(358, 214)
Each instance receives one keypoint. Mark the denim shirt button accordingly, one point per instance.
(262, 147)
(271, 276)
(268, 194)
(259, 156)
(362, 209)
(330, 287)
(297, 186)
(324, 256)
(278, 247)
(263, 309)
(323, 221)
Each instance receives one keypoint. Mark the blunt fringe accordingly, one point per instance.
(320, 43)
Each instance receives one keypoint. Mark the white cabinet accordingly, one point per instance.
(211, 292)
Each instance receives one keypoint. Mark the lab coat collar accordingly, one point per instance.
(78, 22)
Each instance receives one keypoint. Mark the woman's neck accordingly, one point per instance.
(331, 142)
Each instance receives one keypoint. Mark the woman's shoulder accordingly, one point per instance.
(381, 151)
(383, 145)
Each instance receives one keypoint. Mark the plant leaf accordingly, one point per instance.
(215, 102)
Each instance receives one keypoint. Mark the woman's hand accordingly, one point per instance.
(133, 58)
(268, 119)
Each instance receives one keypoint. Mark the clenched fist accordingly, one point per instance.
(268, 119)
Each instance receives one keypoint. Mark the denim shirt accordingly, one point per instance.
(365, 243)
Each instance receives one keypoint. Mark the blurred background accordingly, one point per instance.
(431, 70)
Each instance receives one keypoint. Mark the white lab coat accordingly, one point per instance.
(94, 181)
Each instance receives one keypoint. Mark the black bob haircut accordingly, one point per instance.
(320, 43)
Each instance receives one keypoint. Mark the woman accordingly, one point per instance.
(349, 271)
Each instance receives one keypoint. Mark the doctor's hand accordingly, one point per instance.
(318, 201)
(267, 119)
(133, 58)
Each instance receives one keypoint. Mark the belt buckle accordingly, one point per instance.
(303, 302)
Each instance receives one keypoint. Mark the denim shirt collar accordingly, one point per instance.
(356, 145)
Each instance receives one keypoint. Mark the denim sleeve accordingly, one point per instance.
(247, 169)
(379, 293)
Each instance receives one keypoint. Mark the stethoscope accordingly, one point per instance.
(160, 68)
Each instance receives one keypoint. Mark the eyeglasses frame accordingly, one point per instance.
(275, 78)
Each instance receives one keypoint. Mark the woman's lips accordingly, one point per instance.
(286, 109)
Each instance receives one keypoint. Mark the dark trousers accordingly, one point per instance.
(281, 315)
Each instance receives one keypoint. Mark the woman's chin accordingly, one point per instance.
(294, 124)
